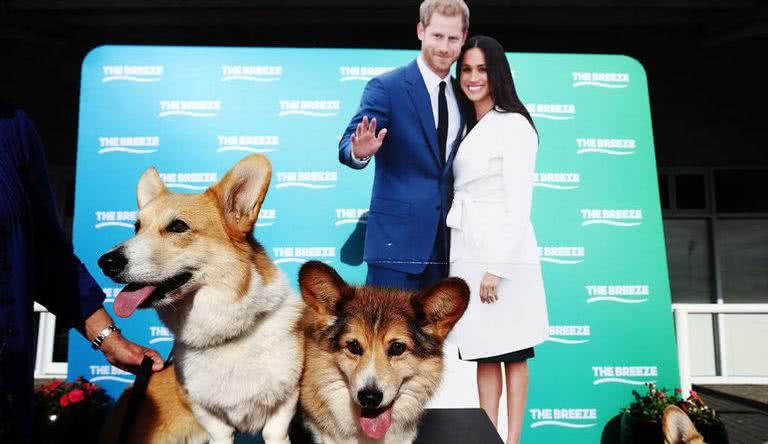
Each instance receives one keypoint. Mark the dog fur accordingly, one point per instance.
(238, 351)
(372, 352)
(678, 427)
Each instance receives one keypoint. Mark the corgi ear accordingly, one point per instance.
(441, 306)
(150, 186)
(242, 191)
(322, 288)
(678, 428)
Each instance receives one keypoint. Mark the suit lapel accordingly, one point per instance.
(419, 95)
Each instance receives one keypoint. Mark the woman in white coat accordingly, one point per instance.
(493, 245)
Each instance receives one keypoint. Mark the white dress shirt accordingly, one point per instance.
(432, 81)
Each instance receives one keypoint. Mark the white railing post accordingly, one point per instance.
(683, 350)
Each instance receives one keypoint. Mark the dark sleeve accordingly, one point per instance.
(374, 103)
(65, 287)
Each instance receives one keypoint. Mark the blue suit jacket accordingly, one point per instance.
(412, 188)
(36, 264)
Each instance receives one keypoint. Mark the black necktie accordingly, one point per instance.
(442, 122)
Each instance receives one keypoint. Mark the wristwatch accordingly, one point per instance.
(103, 334)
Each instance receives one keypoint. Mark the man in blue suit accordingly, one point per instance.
(417, 108)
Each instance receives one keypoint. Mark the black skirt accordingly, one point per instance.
(515, 356)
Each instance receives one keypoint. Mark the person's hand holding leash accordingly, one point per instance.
(365, 142)
(489, 288)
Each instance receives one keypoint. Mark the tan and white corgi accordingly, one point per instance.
(678, 427)
(238, 352)
(373, 357)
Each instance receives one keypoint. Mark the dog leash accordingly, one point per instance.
(138, 394)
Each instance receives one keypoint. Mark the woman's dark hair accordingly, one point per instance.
(500, 83)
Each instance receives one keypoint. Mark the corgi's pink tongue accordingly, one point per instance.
(127, 300)
(377, 427)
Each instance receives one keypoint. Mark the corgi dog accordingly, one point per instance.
(678, 427)
(238, 351)
(373, 356)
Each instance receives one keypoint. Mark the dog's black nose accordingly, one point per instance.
(369, 397)
(113, 262)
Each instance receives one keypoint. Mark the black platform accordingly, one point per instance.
(438, 426)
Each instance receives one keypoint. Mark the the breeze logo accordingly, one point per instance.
(614, 147)
(600, 79)
(552, 111)
(364, 73)
(188, 181)
(556, 333)
(557, 181)
(251, 144)
(267, 217)
(568, 418)
(124, 219)
(312, 108)
(623, 294)
(346, 216)
(111, 293)
(625, 375)
(251, 73)
(300, 255)
(130, 145)
(562, 255)
(159, 334)
(190, 108)
(132, 73)
(315, 180)
(617, 218)
(109, 373)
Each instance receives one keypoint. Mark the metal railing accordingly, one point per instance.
(681, 312)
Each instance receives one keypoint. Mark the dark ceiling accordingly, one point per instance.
(44, 42)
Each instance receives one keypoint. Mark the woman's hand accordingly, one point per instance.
(489, 288)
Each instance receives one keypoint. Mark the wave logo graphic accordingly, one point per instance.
(109, 373)
(132, 73)
(613, 147)
(249, 144)
(616, 218)
(190, 108)
(122, 219)
(568, 330)
(251, 73)
(557, 181)
(130, 145)
(267, 217)
(361, 73)
(188, 181)
(346, 216)
(567, 418)
(300, 255)
(635, 375)
(610, 80)
(620, 294)
(562, 255)
(311, 108)
(314, 180)
(552, 111)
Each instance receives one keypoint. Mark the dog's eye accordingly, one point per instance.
(177, 226)
(136, 226)
(354, 347)
(396, 349)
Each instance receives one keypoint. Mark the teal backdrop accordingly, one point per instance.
(192, 112)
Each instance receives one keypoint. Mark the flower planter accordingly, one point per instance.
(636, 430)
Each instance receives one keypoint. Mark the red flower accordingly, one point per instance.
(678, 390)
(76, 396)
(64, 400)
(694, 394)
(662, 395)
(53, 385)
